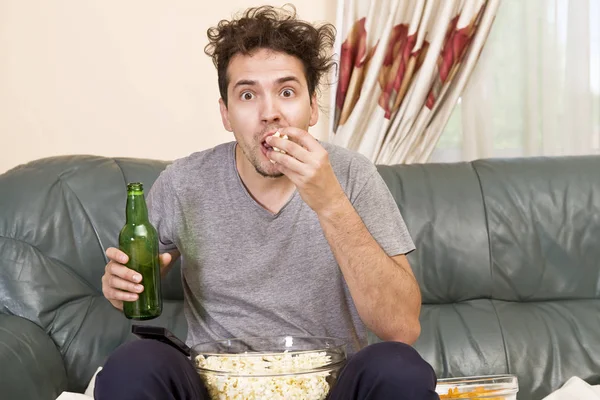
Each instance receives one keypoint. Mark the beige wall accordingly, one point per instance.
(114, 77)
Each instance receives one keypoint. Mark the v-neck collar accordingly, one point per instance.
(257, 206)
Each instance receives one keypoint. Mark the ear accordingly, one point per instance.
(314, 111)
(225, 115)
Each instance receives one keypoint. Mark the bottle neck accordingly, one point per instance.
(136, 211)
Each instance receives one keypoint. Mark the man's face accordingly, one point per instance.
(267, 90)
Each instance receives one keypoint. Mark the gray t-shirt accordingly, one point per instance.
(248, 272)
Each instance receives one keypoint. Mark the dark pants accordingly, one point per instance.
(151, 370)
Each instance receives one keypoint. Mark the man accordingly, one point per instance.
(302, 241)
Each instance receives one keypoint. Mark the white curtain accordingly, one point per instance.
(536, 89)
(403, 65)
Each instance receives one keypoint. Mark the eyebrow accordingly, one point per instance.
(248, 82)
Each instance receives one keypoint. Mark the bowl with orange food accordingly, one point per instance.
(491, 387)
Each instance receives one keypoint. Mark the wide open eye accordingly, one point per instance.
(247, 96)
(287, 92)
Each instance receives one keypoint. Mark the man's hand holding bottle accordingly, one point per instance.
(120, 283)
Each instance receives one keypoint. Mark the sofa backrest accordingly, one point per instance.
(508, 260)
(57, 217)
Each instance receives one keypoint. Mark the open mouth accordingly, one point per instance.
(266, 146)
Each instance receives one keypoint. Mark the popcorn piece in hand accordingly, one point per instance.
(285, 137)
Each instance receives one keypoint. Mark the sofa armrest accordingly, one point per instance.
(31, 365)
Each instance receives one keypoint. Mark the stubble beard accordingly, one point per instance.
(255, 161)
(267, 175)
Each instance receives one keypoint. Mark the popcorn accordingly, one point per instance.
(285, 137)
(303, 385)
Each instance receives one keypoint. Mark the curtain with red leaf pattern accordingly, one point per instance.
(402, 66)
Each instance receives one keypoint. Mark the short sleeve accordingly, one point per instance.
(380, 214)
(161, 203)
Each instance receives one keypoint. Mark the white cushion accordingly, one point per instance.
(575, 389)
(87, 395)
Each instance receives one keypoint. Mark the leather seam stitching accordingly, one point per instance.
(502, 336)
(87, 216)
(487, 229)
(121, 169)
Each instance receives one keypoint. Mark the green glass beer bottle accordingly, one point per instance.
(139, 240)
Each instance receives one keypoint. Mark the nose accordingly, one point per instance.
(269, 111)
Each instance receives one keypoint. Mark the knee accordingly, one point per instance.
(395, 362)
(139, 358)
(148, 369)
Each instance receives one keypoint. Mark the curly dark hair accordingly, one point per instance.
(275, 29)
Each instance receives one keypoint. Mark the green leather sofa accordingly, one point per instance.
(508, 259)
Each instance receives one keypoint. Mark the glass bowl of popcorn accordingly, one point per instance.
(279, 367)
(490, 387)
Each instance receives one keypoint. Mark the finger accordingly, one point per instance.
(115, 296)
(123, 272)
(116, 255)
(118, 304)
(114, 282)
(294, 176)
(109, 295)
(290, 147)
(165, 259)
(301, 137)
(290, 163)
(287, 172)
(119, 295)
